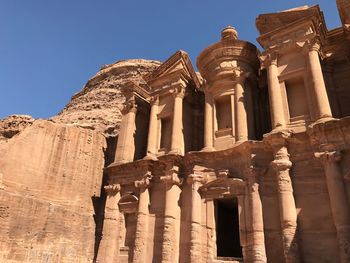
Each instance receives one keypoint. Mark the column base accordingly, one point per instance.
(208, 149)
(322, 120)
(175, 152)
(119, 162)
(150, 156)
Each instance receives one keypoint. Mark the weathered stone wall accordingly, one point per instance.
(50, 175)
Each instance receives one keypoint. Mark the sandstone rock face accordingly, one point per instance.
(97, 105)
(13, 124)
(50, 174)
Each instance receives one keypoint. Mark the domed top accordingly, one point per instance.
(229, 33)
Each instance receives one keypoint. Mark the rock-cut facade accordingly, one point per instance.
(248, 161)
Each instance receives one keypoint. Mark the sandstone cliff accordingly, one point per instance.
(51, 171)
(97, 105)
(49, 174)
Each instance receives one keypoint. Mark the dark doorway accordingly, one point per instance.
(227, 228)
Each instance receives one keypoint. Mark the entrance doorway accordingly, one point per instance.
(227, 228)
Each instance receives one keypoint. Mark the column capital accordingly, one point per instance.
(254, 171)
(144, 182)
(281, 164)
(239, 75)
(277, 139)
(197, 178)
(327, 157)
(268, 58)
(251, 174)
(178, 92)
(313, 44)
(112, 189)
(129, 106)
(171, 178)
(154, 100)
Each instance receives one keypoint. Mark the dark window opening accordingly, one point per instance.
(141, 133)
(227, 228)
(296, 96)
(223, 113)
(165, 137)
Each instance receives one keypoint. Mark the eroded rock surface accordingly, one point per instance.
(50, 174)
(97, 105)
(13, 124)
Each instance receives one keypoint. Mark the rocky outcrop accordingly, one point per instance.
(50, 175)
(13, 124)
(97, 106)
(51, 171)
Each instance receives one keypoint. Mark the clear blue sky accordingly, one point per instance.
(49, 49)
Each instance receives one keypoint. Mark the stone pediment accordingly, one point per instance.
(177, 65)
(267, 23)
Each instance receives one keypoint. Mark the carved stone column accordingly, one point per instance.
(240, 111)
(275, 96)
(109, 247)
(208, 123)
(177, 138)
(196, 180)
(288, 214)
(126, 146)
(233, 115)
(153, 129)
(254, 243)
(338, 199)
(171, 233)
(141, 235)
(317, 81)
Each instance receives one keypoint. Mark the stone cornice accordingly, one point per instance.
(334, 132)
(128, 173)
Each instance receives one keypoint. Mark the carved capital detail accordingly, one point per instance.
(171, 178)
(197, 178)
(327, 157)
(129, 106)
(268, 58)
(254, 171)
(178, 92)
(145, 182)
(281, 164)
(313, 44)
(154, 100)
(112, 189)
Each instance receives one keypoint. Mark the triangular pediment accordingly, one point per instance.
(177, 64)
(266, 23)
